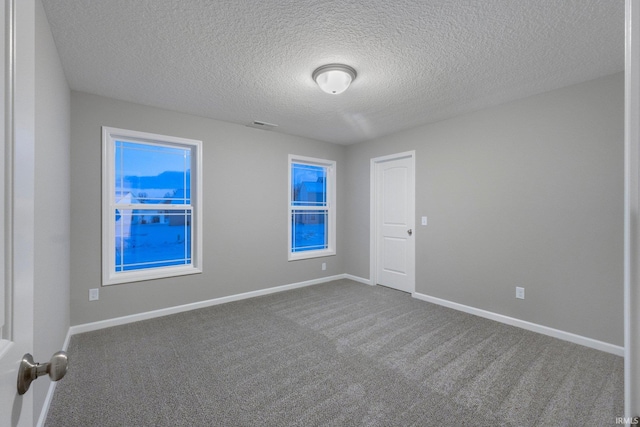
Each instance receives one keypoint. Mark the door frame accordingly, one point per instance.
(632, 206)
(373, 215)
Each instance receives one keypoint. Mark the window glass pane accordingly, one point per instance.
(147, 173)
(308, 185)
(152, 238)
(309, 230)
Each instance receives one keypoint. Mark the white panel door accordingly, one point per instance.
(395, 217)
(16, 207)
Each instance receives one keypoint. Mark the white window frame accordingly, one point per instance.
(109, 275)
(330, 208)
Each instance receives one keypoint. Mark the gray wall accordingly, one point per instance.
(245, 210)
(524, 194)
(51, 228)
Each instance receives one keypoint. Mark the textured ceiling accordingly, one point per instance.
(418, 61)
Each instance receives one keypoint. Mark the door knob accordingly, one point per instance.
(29, 371)
(409, 232)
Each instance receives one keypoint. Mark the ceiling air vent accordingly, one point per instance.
(262, 125)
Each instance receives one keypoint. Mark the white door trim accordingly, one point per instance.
(373, 241)
(632, 206)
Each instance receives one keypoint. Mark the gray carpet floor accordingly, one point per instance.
(335, 354)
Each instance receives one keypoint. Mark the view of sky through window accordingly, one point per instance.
(152, 172)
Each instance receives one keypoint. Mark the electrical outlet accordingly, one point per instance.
(94, 294)
(519, 292)
(324, 266)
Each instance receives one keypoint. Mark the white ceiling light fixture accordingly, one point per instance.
(334, 78)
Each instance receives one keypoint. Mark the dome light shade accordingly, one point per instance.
(334, 78)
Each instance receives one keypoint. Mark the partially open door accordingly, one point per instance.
(17, 113)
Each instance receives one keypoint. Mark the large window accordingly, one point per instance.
(312, 207)
(151, 216)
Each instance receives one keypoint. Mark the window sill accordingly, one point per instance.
(159, 273)
(310, 254)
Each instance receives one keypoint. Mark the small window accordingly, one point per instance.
(151, 222)
(312, 207)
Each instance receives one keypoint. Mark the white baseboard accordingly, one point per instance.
(94, 326)
(534, 327)
(356, 279)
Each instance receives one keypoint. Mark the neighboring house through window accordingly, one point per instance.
(312, 207)
(151, 215)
